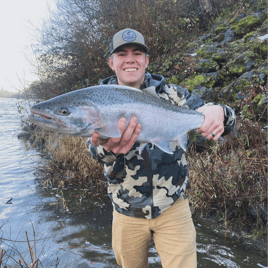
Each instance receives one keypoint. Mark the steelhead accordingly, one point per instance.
(98, 108)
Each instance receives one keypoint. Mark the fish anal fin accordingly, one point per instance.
(142, 146)
(182, 140)
(164, 145)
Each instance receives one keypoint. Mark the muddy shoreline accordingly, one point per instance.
(244, 237)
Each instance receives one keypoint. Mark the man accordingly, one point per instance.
(148, 190)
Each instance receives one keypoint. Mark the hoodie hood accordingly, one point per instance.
(155, 80)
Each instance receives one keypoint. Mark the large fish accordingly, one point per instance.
(98, 108)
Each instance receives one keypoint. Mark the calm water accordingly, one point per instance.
(81, 236)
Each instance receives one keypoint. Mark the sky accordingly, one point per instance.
(18, 19)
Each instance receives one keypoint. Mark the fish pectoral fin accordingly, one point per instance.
(164, 145)
(151, 91)
(182, 140)
(109, 132)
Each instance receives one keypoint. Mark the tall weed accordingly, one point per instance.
(230, 178)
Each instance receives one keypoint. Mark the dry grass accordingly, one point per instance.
(230, 179)
(70, 164)
(27, 259)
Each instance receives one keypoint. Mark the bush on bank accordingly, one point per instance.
(228, 181)
(73, 44)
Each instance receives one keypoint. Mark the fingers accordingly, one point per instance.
(96, 140)
(213, 122)
(128, 133)
(113, 142)
(129, 136)
(215, 129)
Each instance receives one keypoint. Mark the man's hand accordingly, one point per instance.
(123, 144)
(212, 127)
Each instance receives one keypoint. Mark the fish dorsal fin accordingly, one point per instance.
(151, 91)
(125, 87)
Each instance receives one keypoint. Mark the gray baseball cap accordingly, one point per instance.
(125, 37)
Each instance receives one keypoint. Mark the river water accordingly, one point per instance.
(79, 236)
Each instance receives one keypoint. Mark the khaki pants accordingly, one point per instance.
(173, 232)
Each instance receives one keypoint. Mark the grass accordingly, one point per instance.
(28, 259)
(69, 164)
(229, 179)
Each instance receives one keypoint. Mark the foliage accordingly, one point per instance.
(73, 44)
(247, 24)
(69, 163)
(231, 177)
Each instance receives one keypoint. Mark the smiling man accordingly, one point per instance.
(148, 191)
(129, 63)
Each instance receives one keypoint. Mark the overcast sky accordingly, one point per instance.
(17, 19)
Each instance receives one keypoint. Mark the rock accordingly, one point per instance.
(205, 37)
(220, 56)
(237, 85)
(219, 38)
(206, 66)
(229, 36)
(261, 15)
(246, 25)
(24, 135)
(264, 28)
(249, 65)
(247, 76)
(258, 211)
(263, 37)
(205, 94)
(240, 64)
(241, 16)
(262, 76)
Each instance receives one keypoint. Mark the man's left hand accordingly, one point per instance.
(212, 127)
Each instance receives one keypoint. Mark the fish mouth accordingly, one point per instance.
(42, 115)
(46, 120)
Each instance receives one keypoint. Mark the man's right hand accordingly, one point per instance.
(123, 144)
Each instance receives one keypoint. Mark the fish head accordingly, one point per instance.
(67, 115)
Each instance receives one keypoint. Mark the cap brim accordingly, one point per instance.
(144, 47)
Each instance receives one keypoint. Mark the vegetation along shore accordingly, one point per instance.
(216, 49)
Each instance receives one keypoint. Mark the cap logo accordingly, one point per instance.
(129, 36)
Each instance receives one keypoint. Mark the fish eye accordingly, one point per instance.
(64, 111)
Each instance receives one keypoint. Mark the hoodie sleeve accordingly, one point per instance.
(182, 97)
(100, 154)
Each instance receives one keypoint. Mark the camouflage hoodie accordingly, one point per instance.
(146, 185)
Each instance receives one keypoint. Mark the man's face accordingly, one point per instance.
(129, 65)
